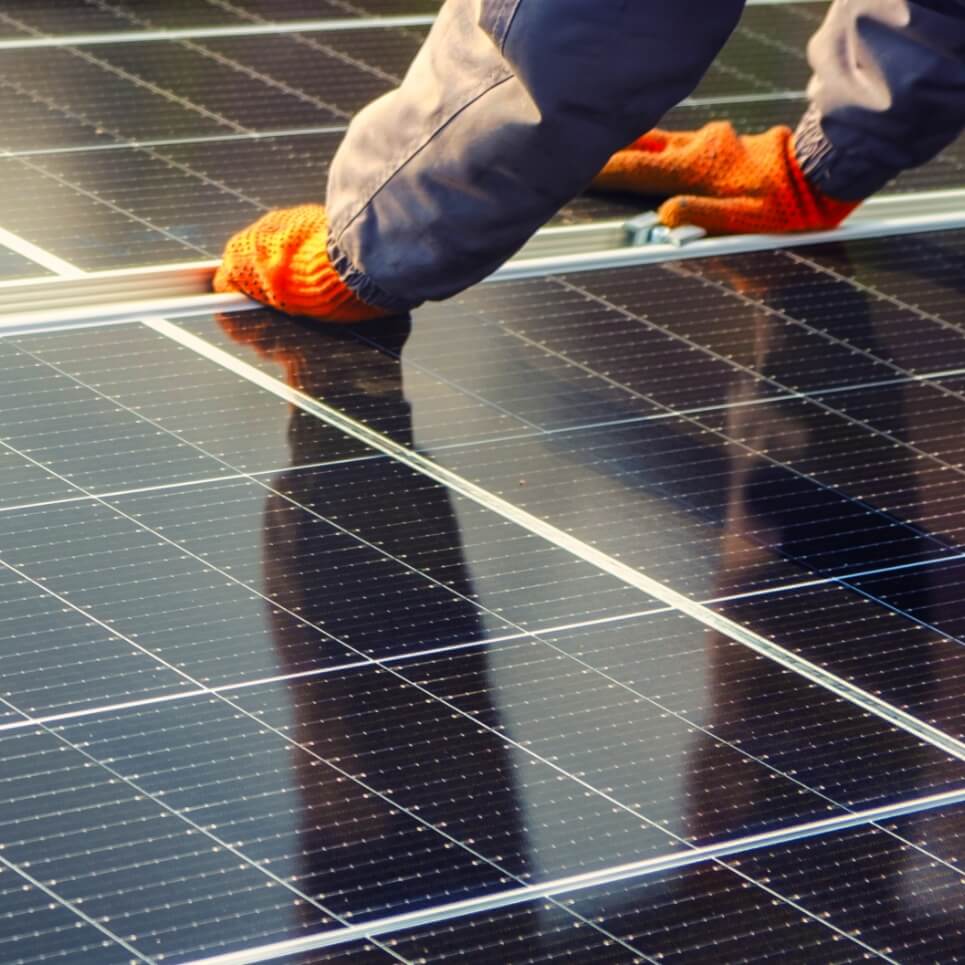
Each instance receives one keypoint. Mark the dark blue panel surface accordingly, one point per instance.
(55, 659)
(119, 408)
(185, 883)
(35, 928)
(514, 750)
(289, 685)
(849, 897)
(750, 491)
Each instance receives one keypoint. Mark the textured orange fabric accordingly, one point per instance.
(723, 182)
(282, 260)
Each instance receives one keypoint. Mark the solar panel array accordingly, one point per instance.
(603, 617)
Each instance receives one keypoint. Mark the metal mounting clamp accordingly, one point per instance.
(646, 229)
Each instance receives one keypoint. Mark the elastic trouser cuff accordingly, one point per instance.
(364, 287)
(834, 171)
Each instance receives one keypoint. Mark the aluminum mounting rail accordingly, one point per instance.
(172, 291)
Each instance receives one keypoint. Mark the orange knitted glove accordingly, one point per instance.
(282, 261)
(723, 182)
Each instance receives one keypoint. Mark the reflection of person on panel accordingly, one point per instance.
(760, 528)
(372, 722)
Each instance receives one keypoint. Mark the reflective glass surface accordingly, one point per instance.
(273, 682)
(263, 681)
(860, 895)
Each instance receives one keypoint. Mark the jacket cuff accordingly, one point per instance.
(364, 287)
(832, 169)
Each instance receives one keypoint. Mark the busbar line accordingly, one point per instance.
(417, 462)
(316, 673)
(559, 887)
(777, 95)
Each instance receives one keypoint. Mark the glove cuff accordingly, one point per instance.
(833, 169)
(818, 210)
(306, 283)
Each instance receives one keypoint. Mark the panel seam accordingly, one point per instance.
(451, 480)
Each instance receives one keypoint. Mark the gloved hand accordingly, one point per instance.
(282, 260)
(723, 182)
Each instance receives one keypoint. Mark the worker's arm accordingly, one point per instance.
(888, 93)
(509, 110)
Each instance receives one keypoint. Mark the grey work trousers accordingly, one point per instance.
(512, 106)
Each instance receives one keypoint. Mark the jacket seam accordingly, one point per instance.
(402, 165)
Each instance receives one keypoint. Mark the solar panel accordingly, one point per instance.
(718, 910)
(601, 616)
(60, 17)
(14, 266)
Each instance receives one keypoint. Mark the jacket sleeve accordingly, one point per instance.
(888, 92)
(508, 111)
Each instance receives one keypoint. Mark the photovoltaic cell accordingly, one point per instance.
(88, 440)
(126, 204)
(872, 645)
(92, 231)
(14, 267)
(35, 929)
(347, 68)
(765, 54)
(24, 481)
(350, 953)
(246, 99)
(183, 882)
(819, 900)
(225, 416)
(73, 98)
(57, 660)
(377, 512)
(251, 83)
(924, 276)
